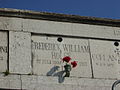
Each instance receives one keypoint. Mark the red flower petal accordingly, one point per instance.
(74, 64)
(66, 59)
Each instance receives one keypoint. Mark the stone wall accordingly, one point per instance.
(30, 55)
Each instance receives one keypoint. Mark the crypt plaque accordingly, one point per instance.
(105, 59)
(47, 54)
(3, 51)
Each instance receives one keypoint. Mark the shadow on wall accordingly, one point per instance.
(53, 72)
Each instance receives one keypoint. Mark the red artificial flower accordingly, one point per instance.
(74, 64)
(66, 59)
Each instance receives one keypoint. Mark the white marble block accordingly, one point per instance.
(72, 29)
(48, 53)
(51, 83)
(10, 82)
(105, 59)
(3, 51)
(19, 52)
(7, 23)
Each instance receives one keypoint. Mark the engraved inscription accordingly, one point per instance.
(3, 49)
(56, 47)
(117, 32)
(56, 51)
(45, 46)
(44, 61)
(48, 53)
(104, 60)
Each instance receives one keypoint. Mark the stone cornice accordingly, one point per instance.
(58, 17)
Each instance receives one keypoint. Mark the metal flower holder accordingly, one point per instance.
(67, 70)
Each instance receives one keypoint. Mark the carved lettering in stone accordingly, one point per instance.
(117, 32)
(3, 49)
(104, 59)
(48, 52)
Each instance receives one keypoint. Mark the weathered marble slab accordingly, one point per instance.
(19, 52)
(9, 23)
(3, 51)
(72, 29)
(11, 82)
(78, 50)
(51, 83)
(105, 59)
(49, 27)
(48, 53)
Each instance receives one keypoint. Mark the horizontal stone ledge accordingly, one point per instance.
(58, 17)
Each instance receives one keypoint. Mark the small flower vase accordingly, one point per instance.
(67, 70)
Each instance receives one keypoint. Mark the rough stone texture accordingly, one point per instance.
(8, 23)
(29, 82)
(44, 60)
(72, 29)
(105, 59)
(59, 17)
(78, 50)
(3, 51)
(20, 52)
(49, 27)
(48, 54)
(63, 28)
(52, 83)
(10, 82)
(94, 31)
